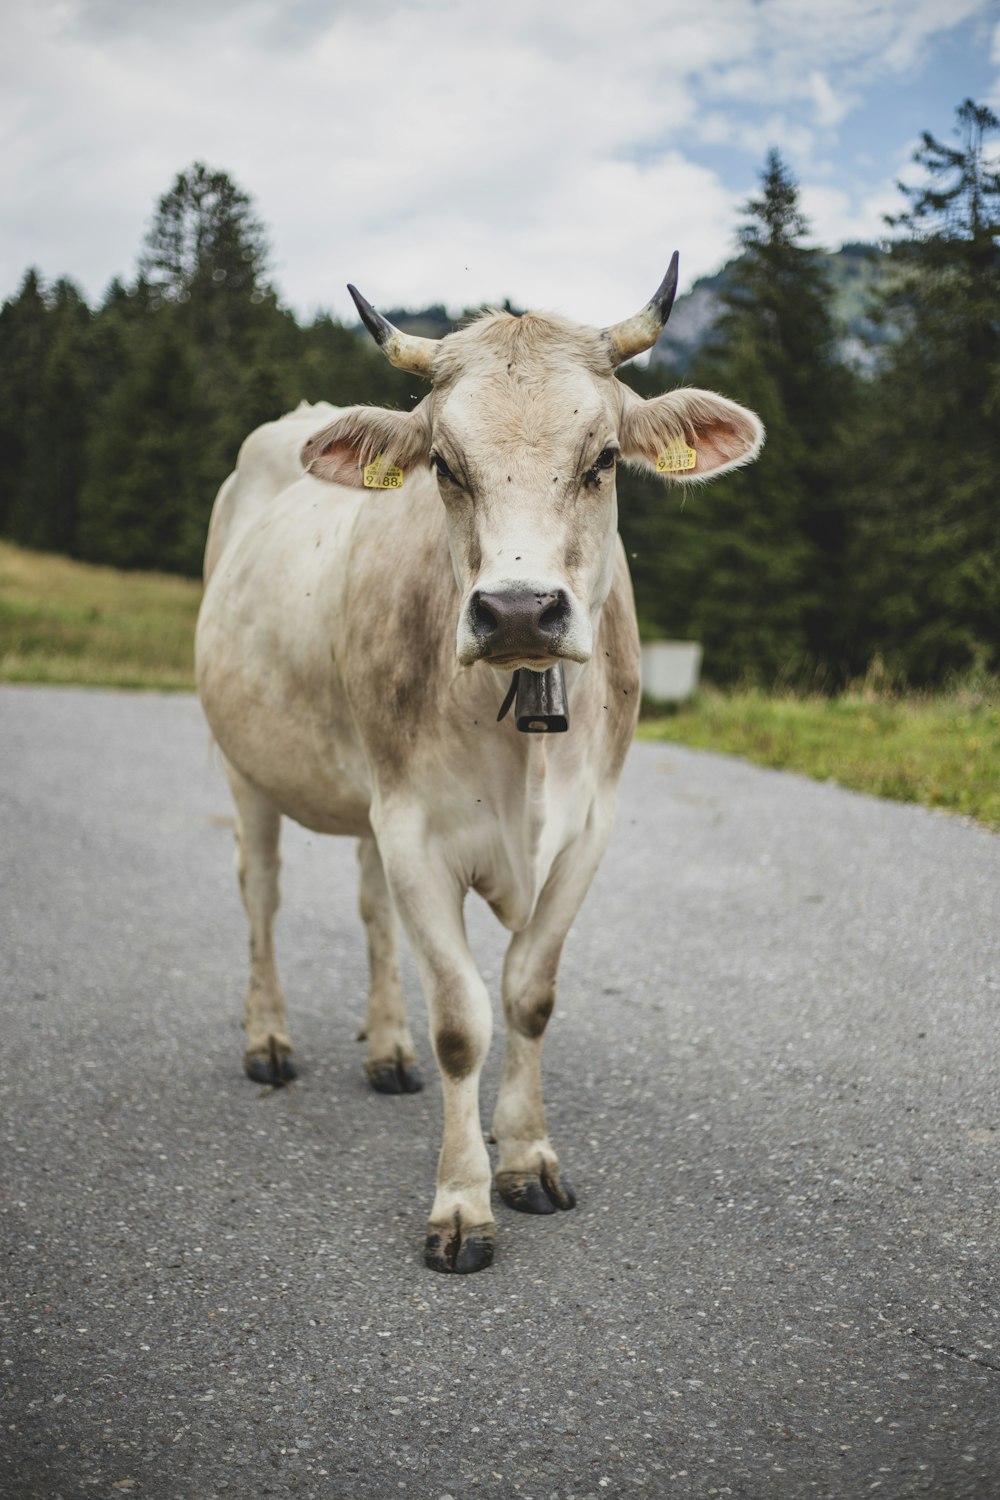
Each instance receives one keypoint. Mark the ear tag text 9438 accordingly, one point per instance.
(380, 476)
(676, 458)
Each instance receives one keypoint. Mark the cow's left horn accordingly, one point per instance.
(404, 350)
(641, 332)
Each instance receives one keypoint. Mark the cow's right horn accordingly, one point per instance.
(637, 334)
(404, 350)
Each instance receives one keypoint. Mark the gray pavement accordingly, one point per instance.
(772, 1076)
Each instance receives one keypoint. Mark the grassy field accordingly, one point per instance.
(65, 622)
(941, 750)
(62, 621)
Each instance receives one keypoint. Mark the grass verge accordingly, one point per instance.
(68, 622)
(938, 750)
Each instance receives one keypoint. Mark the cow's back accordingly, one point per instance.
(268, 462)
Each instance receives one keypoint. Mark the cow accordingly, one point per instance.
(374, 581)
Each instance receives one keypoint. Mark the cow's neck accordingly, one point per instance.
(532, 783)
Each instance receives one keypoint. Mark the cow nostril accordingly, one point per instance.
(554, 614)
(484, 620)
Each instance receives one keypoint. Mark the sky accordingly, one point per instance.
(551, 151)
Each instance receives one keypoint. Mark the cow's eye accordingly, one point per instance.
(443, 471)
(606, 458)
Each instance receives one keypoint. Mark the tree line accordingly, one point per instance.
(868, 529)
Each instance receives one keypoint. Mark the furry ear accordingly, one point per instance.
(689, 434)
(339, 452)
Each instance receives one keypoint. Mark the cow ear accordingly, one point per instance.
(690, 434)
(336, 462)
(339, 452)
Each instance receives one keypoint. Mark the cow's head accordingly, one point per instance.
(524, 428)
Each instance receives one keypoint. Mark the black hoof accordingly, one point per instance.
(395, 1078)
(535, 1192)
(276, 1069)
(458, 1253)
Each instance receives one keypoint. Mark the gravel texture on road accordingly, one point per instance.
(772, 1076)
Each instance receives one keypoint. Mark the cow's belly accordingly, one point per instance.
(268, 674)
(310, 765)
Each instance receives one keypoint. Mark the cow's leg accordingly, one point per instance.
(428, 896)
(391, 1057)
(528, 1175)
(267, 1053)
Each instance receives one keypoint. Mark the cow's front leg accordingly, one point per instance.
(267, 1052)
(529, 1177)
(391, 1056)
(428, 894)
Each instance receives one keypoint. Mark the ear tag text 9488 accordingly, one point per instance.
(379, 476)
(677, 458)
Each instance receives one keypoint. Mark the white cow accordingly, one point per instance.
(374, 578)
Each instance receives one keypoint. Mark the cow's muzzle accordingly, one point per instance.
(518, 625)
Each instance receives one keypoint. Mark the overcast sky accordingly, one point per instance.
(555, 152)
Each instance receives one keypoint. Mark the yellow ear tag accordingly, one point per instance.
(677, 459)
(378, 478)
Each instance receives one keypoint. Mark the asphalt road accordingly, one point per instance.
(772, 1076)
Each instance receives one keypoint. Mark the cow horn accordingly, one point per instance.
(641, 332)
(404, 350)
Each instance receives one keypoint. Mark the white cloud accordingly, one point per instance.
(834, 217)
(754, 138)
(830, 106)
(439, 148)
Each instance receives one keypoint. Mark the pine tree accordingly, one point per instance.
(205, 237)
(24, 339)
(66, 408)
(203, 276)
(117, 427)
(929, 548)
(45, 412)
(146, 497)
(754, 567)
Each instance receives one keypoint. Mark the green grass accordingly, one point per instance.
(68, 622)
(940, 750)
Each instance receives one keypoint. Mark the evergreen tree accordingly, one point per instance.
(24, 337)
(45, 412)
(929, 526)
(207, 252)
(66, 403)
(205, 236)
(208, 310)
(117, 427)
(753, 566)
(145, 500)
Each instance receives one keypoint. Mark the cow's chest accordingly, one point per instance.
(508, 852)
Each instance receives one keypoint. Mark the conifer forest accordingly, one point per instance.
(868, 531)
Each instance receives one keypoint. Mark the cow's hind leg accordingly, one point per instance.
(391, 1062)
(528, 1176)
(267, 1053)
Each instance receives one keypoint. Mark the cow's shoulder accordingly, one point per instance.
(268, 463)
